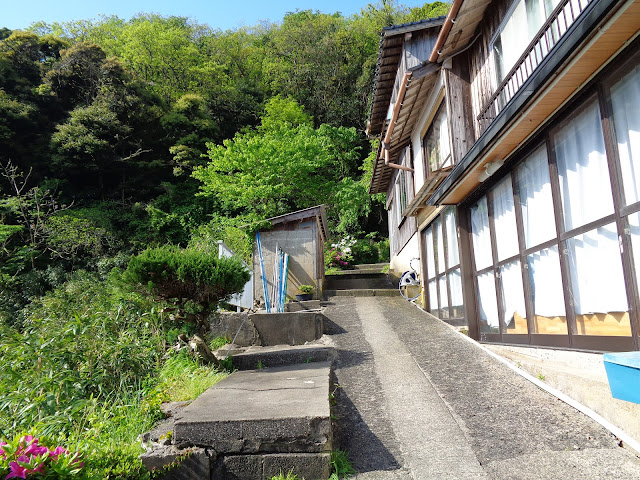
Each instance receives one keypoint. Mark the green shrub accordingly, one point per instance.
(384, 250)
(365, 251)
(188, 275)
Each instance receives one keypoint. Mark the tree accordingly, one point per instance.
(283, 165)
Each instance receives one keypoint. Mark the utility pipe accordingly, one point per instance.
(446, 28)
(406, 78)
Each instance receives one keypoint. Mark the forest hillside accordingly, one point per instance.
(127, 148)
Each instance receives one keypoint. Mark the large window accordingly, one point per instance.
(522, 23)
(556, 242)
(437, 147)
(443, 278)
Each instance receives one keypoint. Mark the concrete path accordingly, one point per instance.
(417, 401)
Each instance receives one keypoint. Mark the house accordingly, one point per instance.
(510, 157)
(301, 235)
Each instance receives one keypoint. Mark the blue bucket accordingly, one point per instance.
(623, 372)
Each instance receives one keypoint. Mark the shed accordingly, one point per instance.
(300, 234)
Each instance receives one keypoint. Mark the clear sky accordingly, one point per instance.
(223, 14)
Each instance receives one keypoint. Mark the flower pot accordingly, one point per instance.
(304, 296)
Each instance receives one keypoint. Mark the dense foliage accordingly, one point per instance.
(127, 149)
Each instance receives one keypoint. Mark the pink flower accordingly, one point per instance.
(34, 449)
(17, 470)
(2, 452)
(57, 452)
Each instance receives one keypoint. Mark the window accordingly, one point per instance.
(443, 279)
(437, 147)
(401, 194)
(522, 23)
(556, 242)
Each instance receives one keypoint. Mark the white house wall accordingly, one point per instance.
(400, 262)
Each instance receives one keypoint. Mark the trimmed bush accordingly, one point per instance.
(188, 275)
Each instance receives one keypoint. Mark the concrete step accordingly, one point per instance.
(357, 280)
(258, 422)
(363, 292)
(369, 266)
(252, 357)
(301, 306)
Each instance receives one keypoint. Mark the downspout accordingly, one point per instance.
(444, 32)
(392, 123)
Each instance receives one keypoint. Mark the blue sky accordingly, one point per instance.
(223, 14)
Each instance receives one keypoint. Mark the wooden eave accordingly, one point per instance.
(464, 28)
(427, 189)
(415, 97)
(391, 43)
(568, 70)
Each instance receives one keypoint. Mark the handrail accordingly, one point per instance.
(552, 31)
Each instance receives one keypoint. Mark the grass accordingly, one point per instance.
(182, 378)
(341, 468)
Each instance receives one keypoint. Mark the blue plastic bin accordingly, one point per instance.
(623, 371)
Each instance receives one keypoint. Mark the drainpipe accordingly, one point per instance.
(444, 32)
(392, 123)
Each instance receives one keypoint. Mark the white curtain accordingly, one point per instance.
(546, 283)
(504, 219)
(634, 224)
(487, 299)
(431, 263)
(596, 272)
(625, 98)
(455, 285)
(452, 237)
(437, 232)
(442, 285)
(536, 203)
(443, 140)
(480, 234)
(512, 291)
(433, 296)
(583, 170)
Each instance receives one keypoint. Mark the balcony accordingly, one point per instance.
(550, 34)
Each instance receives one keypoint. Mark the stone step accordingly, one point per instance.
(281, 355)
(355, 280)
(363, 292)
(255, 421)
(301, 306)
(375, 266)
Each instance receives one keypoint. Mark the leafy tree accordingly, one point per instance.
(278, 167)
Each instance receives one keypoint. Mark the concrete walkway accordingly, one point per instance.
(417, 401)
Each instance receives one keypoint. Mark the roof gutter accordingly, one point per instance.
(392, 122)
(446, 28)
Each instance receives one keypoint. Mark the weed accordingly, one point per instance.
(341, 465)
(218, 342)
(288, 476)
(540, 377)
(308, 360)
(260, 365)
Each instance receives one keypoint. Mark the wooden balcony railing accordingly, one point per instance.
(556, 26)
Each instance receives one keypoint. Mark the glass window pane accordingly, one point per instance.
(457, 301)
(515, 316)
(452, 237)
(547, 292)
(597, 283)
(433, 297)
(431, 262)
(583, 170)
(536, 203)
(444, 299)
(625, 98)
(504, 219)
(437, 232)
(488, 311)
(480, 234)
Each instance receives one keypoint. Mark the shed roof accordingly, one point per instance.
(318, 211)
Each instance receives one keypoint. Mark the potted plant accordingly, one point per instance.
(306, 293)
